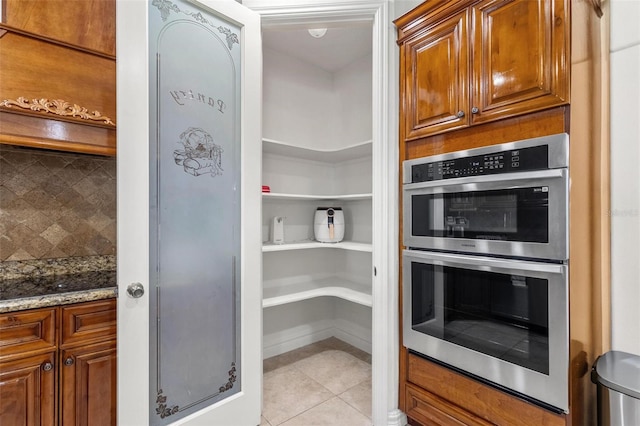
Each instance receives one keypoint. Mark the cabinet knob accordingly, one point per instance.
(47, 366)
(135, 290)
(460, 114)
(475, 110)
(68, 361)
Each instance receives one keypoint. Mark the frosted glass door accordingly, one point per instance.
(194, 209)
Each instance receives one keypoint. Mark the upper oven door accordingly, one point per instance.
(515, 214)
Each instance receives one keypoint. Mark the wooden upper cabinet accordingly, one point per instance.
(470, 62)
(437, 96)
(520, 58)
(89, 24)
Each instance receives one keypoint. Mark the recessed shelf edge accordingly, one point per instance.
(350, 152)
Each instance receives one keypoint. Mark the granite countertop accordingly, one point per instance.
(48, 282)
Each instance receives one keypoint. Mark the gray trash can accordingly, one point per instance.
(617, 375)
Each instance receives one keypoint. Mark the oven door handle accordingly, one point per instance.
(507, 177)
(482, 263)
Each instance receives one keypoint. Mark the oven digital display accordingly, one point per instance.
(515, 160)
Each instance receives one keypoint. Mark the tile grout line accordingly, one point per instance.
(313, 380)
(334, 395)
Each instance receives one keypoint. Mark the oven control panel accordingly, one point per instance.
(511, 161)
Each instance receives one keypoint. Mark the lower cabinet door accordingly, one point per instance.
(88, 385)
(27, 391)
(429, 409)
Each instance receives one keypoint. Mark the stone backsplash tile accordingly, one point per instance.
(55, 204)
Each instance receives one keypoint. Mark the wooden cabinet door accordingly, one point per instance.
(430, 409)
(436, 78)
(88, 385)
(87, 322)
(27, 391)
(519, 56)
(27, 332)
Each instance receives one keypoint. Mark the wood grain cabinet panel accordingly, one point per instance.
(58, 85)
(89, 24)
(429, 409)
(85, 323)
(27, 391)
(437, 97)
(520, 58)
(458, 392)
(468, 63)
(66, 378)
(29, 331)
(34, 69)
(88, 385)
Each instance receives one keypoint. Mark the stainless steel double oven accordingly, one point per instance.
(485, 269)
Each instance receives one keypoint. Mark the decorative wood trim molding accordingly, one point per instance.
(58, 107)
(4, 28)
(34, 130)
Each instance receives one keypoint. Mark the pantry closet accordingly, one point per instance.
(326, 135)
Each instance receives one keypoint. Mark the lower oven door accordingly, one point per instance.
(504, 321)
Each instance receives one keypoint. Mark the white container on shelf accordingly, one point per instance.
(328, 224)
(277, 230)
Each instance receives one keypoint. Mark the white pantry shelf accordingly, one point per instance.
(350, 152)
(346, 197)
(304, 245)
(336, 287)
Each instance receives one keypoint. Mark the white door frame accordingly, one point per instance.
(133, 112)
(385, 329)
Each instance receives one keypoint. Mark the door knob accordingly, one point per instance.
(135, 290)
(460, 114)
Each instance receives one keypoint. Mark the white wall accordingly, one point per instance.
(337, 106)
(296, 86)
(625, 175)
(353, 91)
(403, 6)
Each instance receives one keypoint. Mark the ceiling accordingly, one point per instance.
(340, 46)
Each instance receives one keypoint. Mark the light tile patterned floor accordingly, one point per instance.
(327, 383)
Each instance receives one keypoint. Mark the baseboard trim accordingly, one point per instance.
(352, 334)
(396, 418)
(295, 338)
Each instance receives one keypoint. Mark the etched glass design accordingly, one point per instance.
(194, 207)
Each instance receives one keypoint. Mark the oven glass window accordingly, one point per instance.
(519, 214)
(501, 315)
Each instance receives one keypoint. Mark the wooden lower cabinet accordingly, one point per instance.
(88, 385)
(436, 395)
(58, 366)
(429, 409)
(27, 391)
